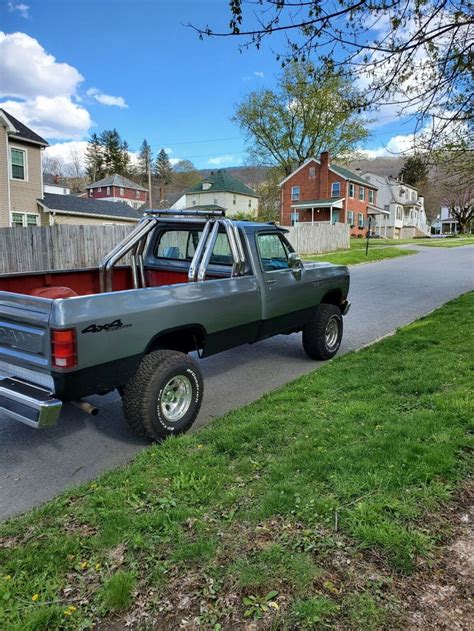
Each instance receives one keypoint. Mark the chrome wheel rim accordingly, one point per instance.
(176, 398)
(332, 332)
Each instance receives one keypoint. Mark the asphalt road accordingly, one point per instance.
(37, 465)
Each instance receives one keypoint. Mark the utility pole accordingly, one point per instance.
(150, 203)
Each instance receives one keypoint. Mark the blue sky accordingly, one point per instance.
(144, 72)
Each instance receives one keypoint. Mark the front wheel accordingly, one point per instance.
(164, 396)
(322, 334)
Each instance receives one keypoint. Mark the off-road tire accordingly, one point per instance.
(315, 340)
(142, 396)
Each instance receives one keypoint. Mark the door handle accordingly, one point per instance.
(271, 282)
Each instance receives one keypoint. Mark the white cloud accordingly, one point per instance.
(106, 99)
(219, 160)
(23, 9)
(66, 152)
(259, 74)
(28, 71)
(57, 117)
(40, 91)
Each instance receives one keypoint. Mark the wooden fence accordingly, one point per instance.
(70, 246)
(56, 247)
(309, 238)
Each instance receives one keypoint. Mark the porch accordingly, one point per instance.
(318, 211)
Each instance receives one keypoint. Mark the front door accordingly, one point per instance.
(335, 215)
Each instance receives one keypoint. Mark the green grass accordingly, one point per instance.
(448, 242)
(356, 256)
(301, 510)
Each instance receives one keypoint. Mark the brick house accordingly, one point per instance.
(321, 191)
(116, 188)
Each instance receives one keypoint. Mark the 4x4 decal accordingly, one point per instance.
(111, 326)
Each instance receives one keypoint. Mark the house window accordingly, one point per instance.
(194, 202)
(121, 191)
(361, 220)
(295, 193)
(312, 173)
(137, 194)
(99, 189)
(215, 201)
(20, 220)
(108, 190)
(413, 196)
(91, 192)
(351, 190)
(371, 196)
(361, 193)
(350, 217)
(234, 200)
(18, 164)
(250, 203)
(399, 212)
(335, 189)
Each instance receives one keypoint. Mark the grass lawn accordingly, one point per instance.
(301, 510)
(447, 242)
(356, 256)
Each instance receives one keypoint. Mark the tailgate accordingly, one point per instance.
(24, 332)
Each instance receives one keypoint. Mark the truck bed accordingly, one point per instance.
(85, 282)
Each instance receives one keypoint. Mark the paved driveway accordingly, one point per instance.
(36, 466)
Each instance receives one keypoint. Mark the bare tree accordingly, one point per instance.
(415, 56)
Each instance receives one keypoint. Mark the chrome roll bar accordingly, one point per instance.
(130, 242)
(208, 251)
(193, 268)
(135, 243)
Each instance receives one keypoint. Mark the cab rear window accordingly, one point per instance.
(180, 245)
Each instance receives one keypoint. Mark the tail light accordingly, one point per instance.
(63, 348)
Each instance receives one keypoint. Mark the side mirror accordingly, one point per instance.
(296, 264)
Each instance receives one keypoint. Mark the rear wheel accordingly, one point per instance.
(322, 335)
(164, 396)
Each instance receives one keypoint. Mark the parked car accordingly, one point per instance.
(194, 282)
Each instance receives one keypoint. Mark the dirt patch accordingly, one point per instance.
(444, 598)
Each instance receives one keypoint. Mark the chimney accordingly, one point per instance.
(324, 175)
(57, 179)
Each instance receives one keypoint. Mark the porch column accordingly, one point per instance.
(312, 215)
(330, 215)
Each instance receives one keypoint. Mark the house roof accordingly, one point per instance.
(93, 207)
(50, 180)
(321, 203)
(347, 174)
(116, 180)
(205, 207)
(221, 182)
(21, 131)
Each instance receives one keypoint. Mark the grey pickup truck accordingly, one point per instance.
(189, 281)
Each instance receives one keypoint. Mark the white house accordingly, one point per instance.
(219, 191)
(407, 218)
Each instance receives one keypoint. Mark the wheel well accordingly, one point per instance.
(333, 297)
(183, 339)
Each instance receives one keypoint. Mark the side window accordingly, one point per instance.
(180, 245)
(177, 245)
(273, 252)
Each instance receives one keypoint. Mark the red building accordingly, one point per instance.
(116, 188)
(321, 191)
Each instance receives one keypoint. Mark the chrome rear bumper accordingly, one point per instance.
(28, 403)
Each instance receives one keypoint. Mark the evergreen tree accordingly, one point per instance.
(163, 171)
(94, 159)
(415, 171)
(113, 149)
(145, 158)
